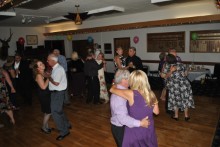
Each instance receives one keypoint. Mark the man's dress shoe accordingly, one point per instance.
(61, 137)
(46, 130)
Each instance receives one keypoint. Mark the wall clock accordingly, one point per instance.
(32, 39)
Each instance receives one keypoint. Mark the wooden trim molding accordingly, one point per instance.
(156, 23)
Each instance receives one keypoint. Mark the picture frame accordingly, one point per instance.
(32, 39)
(108, 48)
(162, 42)
(205, 41)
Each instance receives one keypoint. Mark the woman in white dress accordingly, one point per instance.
(103, 89)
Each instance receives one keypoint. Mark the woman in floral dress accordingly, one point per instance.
(101, 74)
(180, 91)
(5, 104)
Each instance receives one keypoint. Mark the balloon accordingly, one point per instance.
(194, 36)
(90, 39)
(69, 37)
(21, 41)
(136, 39)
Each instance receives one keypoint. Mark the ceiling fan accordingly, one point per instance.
(77, 17)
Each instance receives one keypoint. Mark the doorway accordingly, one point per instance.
(124, 43)
(81, 47)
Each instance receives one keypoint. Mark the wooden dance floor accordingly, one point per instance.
(91, 126)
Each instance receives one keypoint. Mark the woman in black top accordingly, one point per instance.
(44, 94)
(119, 60)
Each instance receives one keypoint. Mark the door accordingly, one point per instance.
(124, 43)
(81, 47)
(50, 45)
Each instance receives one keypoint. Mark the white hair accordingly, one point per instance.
(53, 57)
(121, 74)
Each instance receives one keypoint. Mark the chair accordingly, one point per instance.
(216, 73)
(154, 73)
(212, 83)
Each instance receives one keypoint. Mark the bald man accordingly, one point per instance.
(173, 52)
(62, 61)
(57, 86)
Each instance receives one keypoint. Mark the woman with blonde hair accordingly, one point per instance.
(101, 75)
(77, 77)
(142, 102)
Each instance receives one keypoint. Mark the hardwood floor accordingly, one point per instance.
(91, 126)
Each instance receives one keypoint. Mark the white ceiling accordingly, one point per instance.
(62, 8)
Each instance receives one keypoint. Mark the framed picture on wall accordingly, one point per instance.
(205, 41)
(162, 42)
(32, 39)
(108, 48)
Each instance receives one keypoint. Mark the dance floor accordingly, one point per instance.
(91, 126)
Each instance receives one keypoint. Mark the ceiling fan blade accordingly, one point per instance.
(84, 15)
(72, 16)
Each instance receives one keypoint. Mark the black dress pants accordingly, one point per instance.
(118, 134)
(24, 88)
(93, 90)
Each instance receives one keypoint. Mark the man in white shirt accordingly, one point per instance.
(62, 61)
(57, 86)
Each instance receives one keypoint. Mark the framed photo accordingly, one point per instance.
(205, 41)
(162, 42)
(32, 39)
(108, 48)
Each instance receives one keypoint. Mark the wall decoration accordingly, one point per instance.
(194, 36)
(108, 48)
(21, 40)
(32, 39)
(162, 42)
(207, 41)
(5, 46)
(136, 39)
(90, 39)
(69, 37)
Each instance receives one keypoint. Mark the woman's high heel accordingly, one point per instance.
(176, 118)
(187, 118)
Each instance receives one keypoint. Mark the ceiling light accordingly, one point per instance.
(23, 20)
(29, 18)
(78, 20)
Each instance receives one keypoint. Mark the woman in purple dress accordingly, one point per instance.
(142, 102)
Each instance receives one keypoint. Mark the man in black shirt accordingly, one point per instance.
(91, 68)
(133, 61)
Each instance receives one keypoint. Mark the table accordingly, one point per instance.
(193, 74)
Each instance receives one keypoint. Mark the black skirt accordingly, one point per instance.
(44, 97)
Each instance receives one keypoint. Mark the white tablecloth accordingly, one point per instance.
(193, 74)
